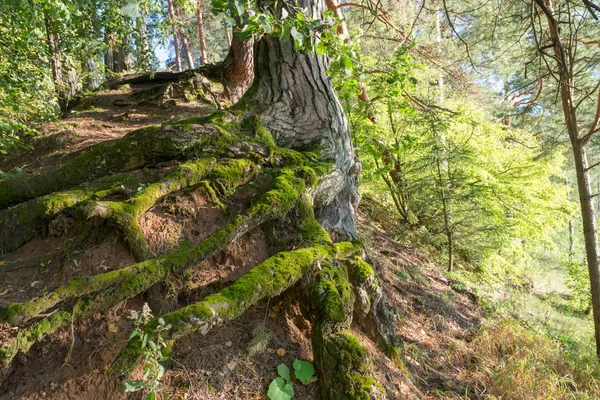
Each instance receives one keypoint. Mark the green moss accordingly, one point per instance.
(346, 249)
(361, 270)
(332, 295)
(262, 133)
(346, 367)
(214, 117)
(23, 222)
(136, 149)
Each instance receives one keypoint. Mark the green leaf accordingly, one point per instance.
(283, 371)
(299, 36)
(279, 390)
(347, 63)
(133, 386)
(304, 371)
(239, 7)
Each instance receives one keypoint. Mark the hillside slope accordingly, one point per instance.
(433, 320)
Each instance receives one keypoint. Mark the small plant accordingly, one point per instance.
(260, 340)
(281, 387)
(152, 348)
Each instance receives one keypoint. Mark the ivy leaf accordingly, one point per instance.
(298, 36)
(284, 14)
(283, 372)
(304, 371)
(279, 390)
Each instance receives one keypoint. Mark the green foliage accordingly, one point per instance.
(304, 371)
(281, 387)
(579, 283)
(153, 349)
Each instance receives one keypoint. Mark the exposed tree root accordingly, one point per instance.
(146, 146)
(344, 361)
(24, 221)
(116, 286)
(221, 158)
(370, 311)
(229, 175)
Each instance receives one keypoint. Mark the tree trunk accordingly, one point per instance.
(114, 59)
(56, 63)
(578, 143)
(200, 21)
(238, 67)
(301, 110)
(184, 41)
(92, 80)
(588, 215)
(175, 40)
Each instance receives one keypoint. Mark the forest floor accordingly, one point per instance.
(436, 322)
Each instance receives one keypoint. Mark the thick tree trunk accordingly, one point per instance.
(175, 39)
(114, 59)
(302, 110)
(201, 39)
(92, 80)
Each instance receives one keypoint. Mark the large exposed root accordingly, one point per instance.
(228, 175)
(146, 146)
(234, 150)
(370, 310)
(24, 221)
(347, 371)
(268, 279)
(115, 286)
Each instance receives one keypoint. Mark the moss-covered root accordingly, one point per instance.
(267, 279)
(227, 175)
(130, 281)
(370, 311)
(346, 368)
(345, 365)
(23, 222)
(146, 146)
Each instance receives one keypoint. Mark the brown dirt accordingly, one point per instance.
(106, 116)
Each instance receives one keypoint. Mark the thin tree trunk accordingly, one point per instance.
(175, 40)
(200, 20)
(439, 45)
(588, 215)
(578, 144)
(56, 63)
(184, 41)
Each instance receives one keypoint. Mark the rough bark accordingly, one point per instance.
(301, 110)
(238, 66)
